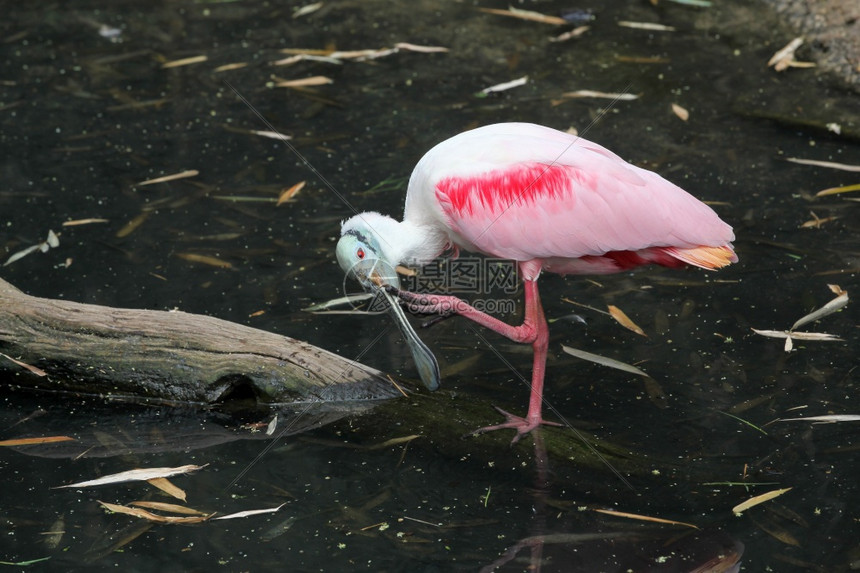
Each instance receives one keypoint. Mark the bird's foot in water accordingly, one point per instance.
(522, 425)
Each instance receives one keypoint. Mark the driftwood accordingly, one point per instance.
(169, 356)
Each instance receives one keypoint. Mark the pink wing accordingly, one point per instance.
(522, 192)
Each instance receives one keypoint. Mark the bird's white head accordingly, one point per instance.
(364, 250)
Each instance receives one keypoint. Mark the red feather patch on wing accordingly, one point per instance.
(496, 191)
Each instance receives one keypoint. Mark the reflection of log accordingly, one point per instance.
(171, 356)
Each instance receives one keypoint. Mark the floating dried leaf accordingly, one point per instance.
(30, 367)
(837, 190)
(34, 441)
(682, 113)
(646, 26)
(820, 336)
(392, 442)
(272, 425)
(172, 177)
(624, 96)
(624, 320)
(834, 305)
(777, 532)
(287, 195)
(421, 49)
(52, 240)
(370, 54)
(308, 51)
(83, 222)
(22, 253)
(205, 260)
(303, 82)
(575, 33)
(754, 501)
(143, 514)
(167, 487)
(139, 474)
(307, 9)
(645, 517)
(351, 299)
(828, 164)
(184, 62)
(251, 512)
(132, 225)
(603, 361)
(526, 15)
(783, 59)
(505, 86)
(171, 507)
(816, 221)
(289, 61)
(230, 67)
(270, 134)
(829, 418)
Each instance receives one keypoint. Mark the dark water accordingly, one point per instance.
(87, 112)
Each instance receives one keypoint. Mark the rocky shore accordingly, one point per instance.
(831, 28)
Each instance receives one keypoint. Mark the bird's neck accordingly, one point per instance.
(412, 244)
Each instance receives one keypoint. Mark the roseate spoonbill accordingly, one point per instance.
(549, 201)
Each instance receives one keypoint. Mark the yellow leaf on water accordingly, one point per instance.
(167, 487)
(754, 501)
(624, 320)
(837, 190)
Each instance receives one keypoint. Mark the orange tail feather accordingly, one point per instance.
(705, 257)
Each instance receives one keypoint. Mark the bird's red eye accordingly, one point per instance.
(360, 253)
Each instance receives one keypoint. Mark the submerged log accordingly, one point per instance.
(158, 356)
(170, 356)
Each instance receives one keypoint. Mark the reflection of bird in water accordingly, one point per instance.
(549, 201)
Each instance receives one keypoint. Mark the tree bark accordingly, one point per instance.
(169, 356)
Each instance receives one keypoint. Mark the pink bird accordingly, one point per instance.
(549, 201)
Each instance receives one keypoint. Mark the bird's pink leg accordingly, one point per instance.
(533, 330)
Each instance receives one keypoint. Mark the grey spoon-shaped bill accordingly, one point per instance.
(425, 362)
